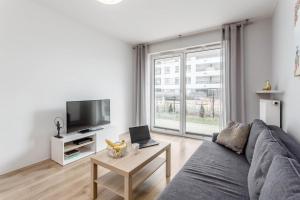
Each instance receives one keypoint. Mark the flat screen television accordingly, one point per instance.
(85, 116)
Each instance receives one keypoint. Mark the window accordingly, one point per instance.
(167, 70)
(177, 81)
(193, 106)
(215, 79)
(188, 80)
(168, 81)
(157, 81)
(200, 68)
(157, 71)
(203, 80)
(188, 68)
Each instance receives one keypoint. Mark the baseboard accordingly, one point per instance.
(15, 171)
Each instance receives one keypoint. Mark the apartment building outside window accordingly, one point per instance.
(177, 69)
(177, 81)
(188, 80)
(188, 68)
(158, 71)
(167, 70)
(168, 81)
(157, 81)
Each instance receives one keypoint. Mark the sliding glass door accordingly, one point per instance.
(203, 89)
(166, 101)
(186, 88)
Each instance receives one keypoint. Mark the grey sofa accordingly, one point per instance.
(215, 172)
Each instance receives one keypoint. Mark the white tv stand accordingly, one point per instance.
(61, 145)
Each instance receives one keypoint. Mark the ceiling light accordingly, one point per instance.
(110, 1)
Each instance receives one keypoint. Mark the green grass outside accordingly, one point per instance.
(189, 118)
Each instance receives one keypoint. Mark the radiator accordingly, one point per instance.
(270, 112)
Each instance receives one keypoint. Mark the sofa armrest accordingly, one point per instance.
(214, 137)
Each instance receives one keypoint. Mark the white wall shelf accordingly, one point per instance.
(269, 92)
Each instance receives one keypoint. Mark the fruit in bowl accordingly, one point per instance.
(117, 149)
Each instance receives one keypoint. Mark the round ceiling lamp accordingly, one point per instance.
(110, 2)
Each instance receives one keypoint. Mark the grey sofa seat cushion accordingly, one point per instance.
(288, 141)
(282, 181)
(257, 127)
(213, 172)
(266, 149)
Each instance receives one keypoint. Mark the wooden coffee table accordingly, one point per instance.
(130, 171)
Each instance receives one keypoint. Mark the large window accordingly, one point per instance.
(186, 97)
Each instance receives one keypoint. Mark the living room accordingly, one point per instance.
(210, 85)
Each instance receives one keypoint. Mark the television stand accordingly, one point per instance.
(61, 147)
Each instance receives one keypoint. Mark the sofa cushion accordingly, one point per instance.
(288, 141)
(282, 181)
(257, 127)
(266, 149)
(214, 137)
(234, 136)
(213, 172)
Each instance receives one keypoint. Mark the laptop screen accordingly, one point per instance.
(139, 133)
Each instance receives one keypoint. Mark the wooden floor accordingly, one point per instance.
(48, 180)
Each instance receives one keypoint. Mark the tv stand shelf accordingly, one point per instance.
(69, 147)
(60, 146)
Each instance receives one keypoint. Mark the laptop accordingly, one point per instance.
(141, 135)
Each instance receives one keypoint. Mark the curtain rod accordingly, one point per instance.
(182, 36)
(245, 22)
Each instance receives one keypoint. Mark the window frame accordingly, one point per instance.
(182, 79)
(152, 93)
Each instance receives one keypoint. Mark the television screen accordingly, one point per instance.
(84, 115)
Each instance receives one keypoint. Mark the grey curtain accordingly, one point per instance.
(139, 97)
(234, 69)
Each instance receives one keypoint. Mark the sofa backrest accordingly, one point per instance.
(257, 127)
(288, 141)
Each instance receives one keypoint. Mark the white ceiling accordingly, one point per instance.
(139, 21)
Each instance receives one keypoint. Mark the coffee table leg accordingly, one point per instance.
(94, 176)
(128, 187)
(168, 161)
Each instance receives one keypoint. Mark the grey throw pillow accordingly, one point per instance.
(265, 150)
(257, 127)
(234, 136)
(282, 181)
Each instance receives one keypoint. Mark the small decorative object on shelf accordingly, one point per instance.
(59, 123)
(116, 150)
(267, 86)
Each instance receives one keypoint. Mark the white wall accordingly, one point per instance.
(188, 41)
(47, 59)
(283, 65)
(258, 53)
(258, 62)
